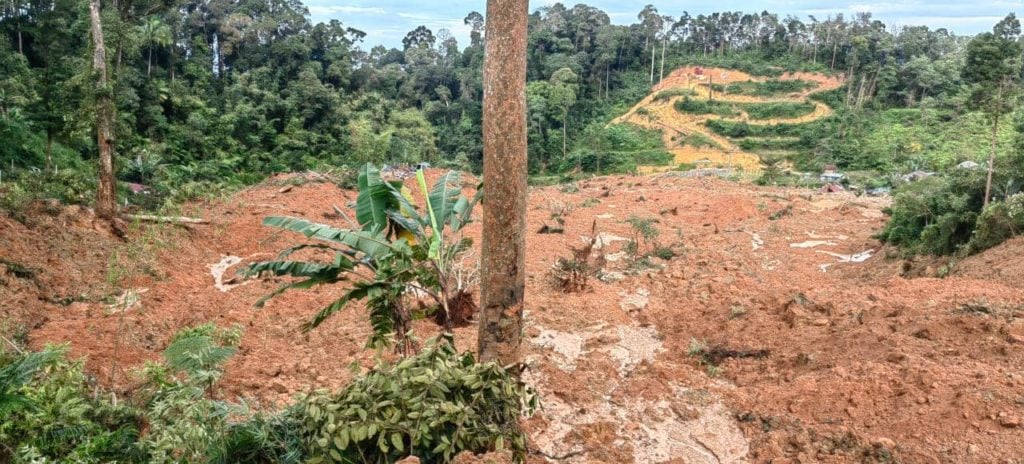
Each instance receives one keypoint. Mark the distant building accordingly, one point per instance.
(831, 174)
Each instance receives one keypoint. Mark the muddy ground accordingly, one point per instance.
(780, 332)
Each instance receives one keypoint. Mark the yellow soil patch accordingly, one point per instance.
(661, 114)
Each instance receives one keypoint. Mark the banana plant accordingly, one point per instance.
(392, 249)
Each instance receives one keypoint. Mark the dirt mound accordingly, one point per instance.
(1003, 264)
(851, 365)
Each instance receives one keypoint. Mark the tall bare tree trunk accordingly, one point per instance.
(503, 273)
(835, 49)
(654, 58)
(991, 159)
(664, 42)
(49, 150)
(106, 199)
(565, 132)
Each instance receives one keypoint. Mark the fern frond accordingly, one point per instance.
(196, 353)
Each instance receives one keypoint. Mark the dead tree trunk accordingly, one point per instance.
(654, 58)
(661, 75)
(503, 273)
(991, 159)
(106, 199)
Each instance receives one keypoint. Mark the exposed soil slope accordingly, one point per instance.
(860, 363)
(661, 114)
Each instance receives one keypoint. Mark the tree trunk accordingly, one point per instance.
(170, 63)
(106, 198)
(607, 75)
(149, 66)
(991, 159)
(49, 150)
(664, 42)
(502, 256)
(654, 50)
(565, 133)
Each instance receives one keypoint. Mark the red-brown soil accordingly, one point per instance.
(862, 365)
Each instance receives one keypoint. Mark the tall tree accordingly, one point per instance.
(503, 273)
(154, 32)
(993, 68)
(106, 197)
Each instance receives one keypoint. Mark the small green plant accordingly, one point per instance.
(432, 405)
(644, 234)
(590, 203)
(663, 252)
(696, 347)
(572, 274)
(401, 250)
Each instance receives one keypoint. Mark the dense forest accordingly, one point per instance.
(214, 94)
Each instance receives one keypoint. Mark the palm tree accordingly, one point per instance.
(154, 33)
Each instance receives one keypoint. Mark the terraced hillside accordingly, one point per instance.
(708, 115)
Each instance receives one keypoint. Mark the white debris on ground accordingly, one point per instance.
(636, 301)
(604, 239)
(755, 241)
(826, 237)
(127, 301)
(812, 244)
(690, 425)
(568, 346)
(854, 258)
(217, 270)
(635, 345)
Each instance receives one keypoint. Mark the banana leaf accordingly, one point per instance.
(372, 244)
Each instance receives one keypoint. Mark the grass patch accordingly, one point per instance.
(665, 95)
(768, 88)
(697, 140)
(778, 110)
(719, 108)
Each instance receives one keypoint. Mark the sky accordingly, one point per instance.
(387, 21)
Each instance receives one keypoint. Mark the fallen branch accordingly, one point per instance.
(167, 219)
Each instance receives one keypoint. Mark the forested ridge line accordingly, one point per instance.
(220, 92)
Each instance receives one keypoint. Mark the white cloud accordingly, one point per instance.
(343, 9)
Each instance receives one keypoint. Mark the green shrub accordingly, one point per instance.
(594, 161)
(653, 157)
(52, 414)
(432, 405)
(1001, 221)
(778, 110)
(698, 140)
(719, 108)
(665, 95)
(936, 215)
(768, 88)
(621, 137)
(739, 129)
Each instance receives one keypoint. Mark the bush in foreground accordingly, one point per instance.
(432, 405)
